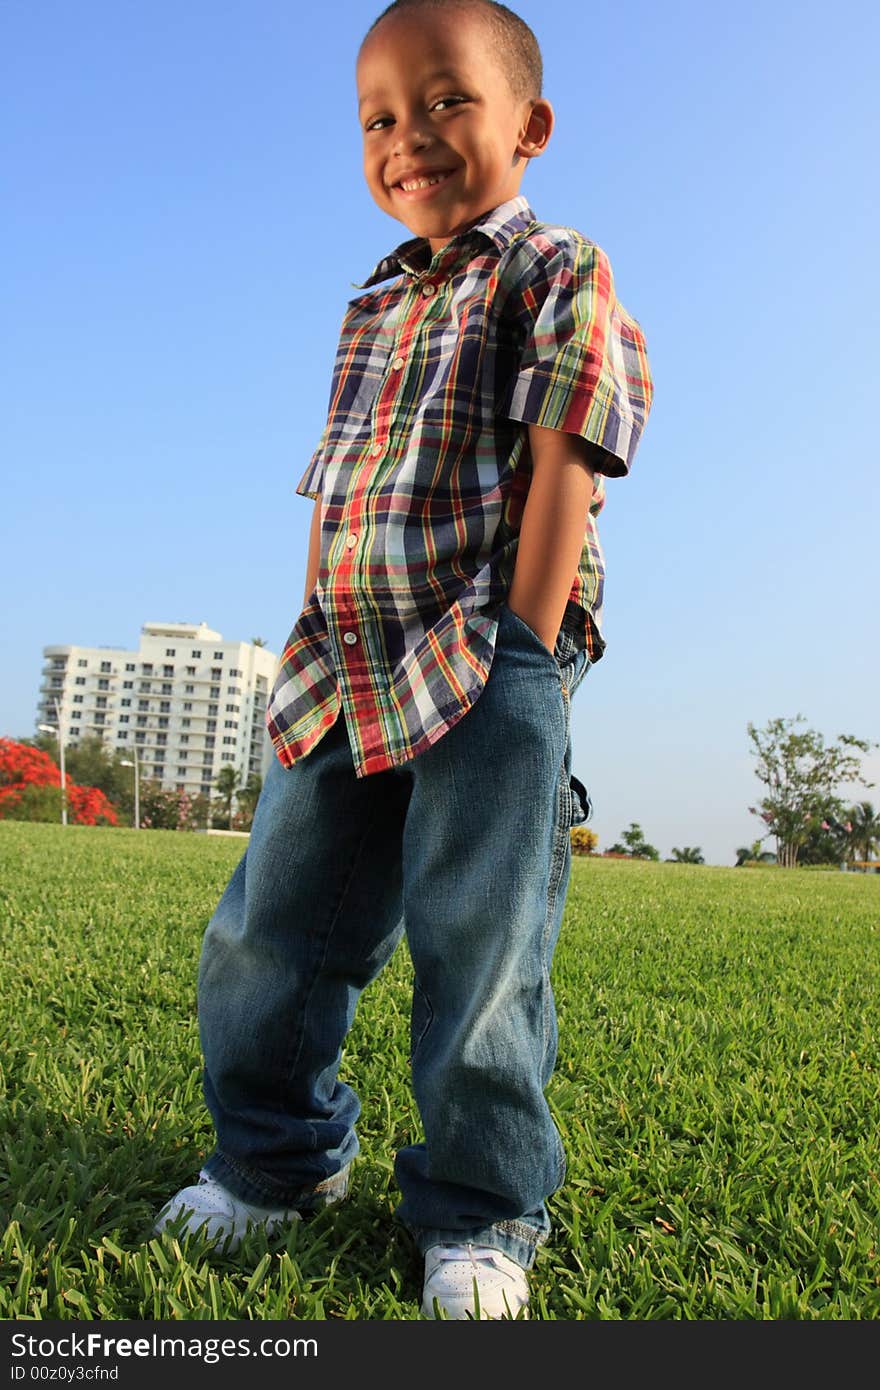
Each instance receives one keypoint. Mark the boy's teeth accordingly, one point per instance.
(410, 185)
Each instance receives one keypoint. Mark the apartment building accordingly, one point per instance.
(186, 701)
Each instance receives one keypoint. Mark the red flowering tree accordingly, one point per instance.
(30, 789)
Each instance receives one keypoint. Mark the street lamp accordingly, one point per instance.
(133, 762)
(56, 729)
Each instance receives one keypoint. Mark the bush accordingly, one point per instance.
(583, 841)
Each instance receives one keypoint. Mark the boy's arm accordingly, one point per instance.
(314, 551)
(552, 531)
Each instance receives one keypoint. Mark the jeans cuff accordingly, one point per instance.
(516, 1239)
(252, 1187)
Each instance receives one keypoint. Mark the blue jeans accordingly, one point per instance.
(466, 848)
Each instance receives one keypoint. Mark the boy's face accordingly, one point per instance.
(445, 139)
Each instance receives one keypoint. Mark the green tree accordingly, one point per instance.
(691, 854)
(248, 796)
(634, 844)
(800, 772)
(91, 764)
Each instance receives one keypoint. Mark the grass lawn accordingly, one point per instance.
(717, 1088)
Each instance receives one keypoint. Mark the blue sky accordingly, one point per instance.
(185, 216)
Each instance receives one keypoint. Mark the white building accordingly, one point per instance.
(188, 702)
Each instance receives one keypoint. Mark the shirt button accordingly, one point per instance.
(397, 364)
(349, 638)
(429, 290)
(351, 541)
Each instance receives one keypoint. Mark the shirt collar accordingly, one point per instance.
(414, 257)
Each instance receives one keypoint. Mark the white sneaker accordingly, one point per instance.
(217, 1214)
(473, 1281)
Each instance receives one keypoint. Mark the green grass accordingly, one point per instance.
(718, 1091)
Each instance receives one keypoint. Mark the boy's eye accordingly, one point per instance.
(445, 102)
(378, 123)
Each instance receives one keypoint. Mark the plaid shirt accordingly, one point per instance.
(423, 471)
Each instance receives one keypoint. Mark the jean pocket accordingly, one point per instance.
(529, 631)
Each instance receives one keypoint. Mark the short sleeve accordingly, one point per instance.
(312, 481)
(583, 365)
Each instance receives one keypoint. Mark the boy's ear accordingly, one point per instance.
(537, 130)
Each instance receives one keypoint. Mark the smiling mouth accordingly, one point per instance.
(418, 183)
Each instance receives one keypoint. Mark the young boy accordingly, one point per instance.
(485, 381)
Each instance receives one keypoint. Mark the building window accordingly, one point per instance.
(184, 738)
(229, 723)
(190, 670)
(101, 702)
(99, 718)
(183, 757)
(189, 690)
(159, 770)
(146, 685)
(187, 704)
(80, 680)
(167, 670)
(162, 738)
(170, 651)
(166, 688)
(57, 682)
(125, 703)
(143, 704)
(227, 757)
(215, 692)
(128, 685)
(140, 738)
(146, 668)
(185, 723)
(105, 666)
(78, 699)
(77, 714)
(129, 665)
(216, 673)
(103, 685)
(163, 721)
(232, 709)
(208, 758)
(218, 656)
(82, 662)
(227, 738)
(209, 740)
(165, 706)
(122, 733)
(210, 725)
(124, 718)
(212, 709)
(142, 721)
(233, 690)
(196, 655)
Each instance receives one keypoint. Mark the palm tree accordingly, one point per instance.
(689, 855)
(865, 833)
(753, 854)
(227, 786)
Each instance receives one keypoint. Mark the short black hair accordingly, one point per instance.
(518, 47)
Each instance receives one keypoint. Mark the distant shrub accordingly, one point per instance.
(583, 841)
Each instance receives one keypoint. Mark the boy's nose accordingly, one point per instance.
(408, 138)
